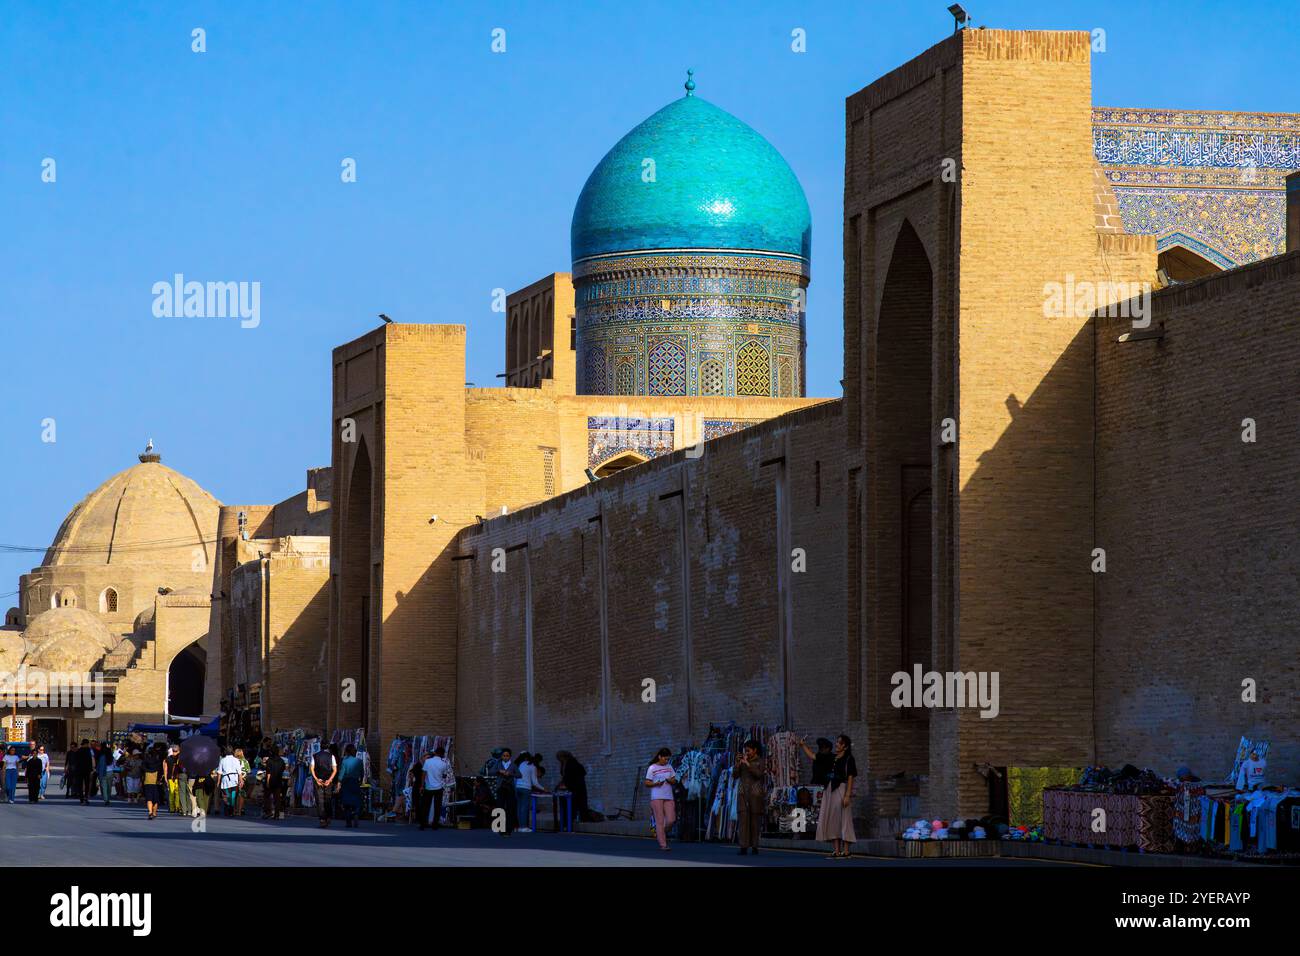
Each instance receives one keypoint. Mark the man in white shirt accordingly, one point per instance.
(435, 773)
(230, 778)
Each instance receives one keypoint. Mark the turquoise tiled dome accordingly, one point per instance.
(718, 185)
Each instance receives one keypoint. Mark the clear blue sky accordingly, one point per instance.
(225, 166)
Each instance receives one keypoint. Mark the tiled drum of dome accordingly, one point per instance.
(692, 229)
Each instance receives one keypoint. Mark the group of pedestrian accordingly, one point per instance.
(506, 783)
(510, 784)
(35, 767)
(338, 784)
(833, 769)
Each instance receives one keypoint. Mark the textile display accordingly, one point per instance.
(709, 810)
(1187, 811)
(1141, 820)
(341, 739)
(1025, 786)
(404, 751)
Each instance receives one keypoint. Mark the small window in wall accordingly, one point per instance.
(108, 601)
(626, 377)
(67, 599)
(712, 378)
(548, 470)
(784, 376)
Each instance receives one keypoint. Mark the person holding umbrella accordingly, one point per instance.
(199, 757)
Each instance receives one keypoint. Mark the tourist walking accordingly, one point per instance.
(351, 774)
(184, 787)
(507, 773)
(69, 760)
(659, 777)
(104, 768)
(152, 781)
(33, 769)
(204, 788)
(171, 775)
(245, 781)
(11, 774)
(273, 785)
(45, 769)
(324, 769)
(835, 822)
(132, 774)
(751, 796)
(230, 775)
(434, 773)
(82, 769)
(573, 778)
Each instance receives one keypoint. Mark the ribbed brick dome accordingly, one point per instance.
(147, 516)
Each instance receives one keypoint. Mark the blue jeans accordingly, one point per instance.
(45, 779)
(11, 785)
(524, 802)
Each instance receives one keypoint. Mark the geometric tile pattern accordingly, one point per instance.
(753, 370)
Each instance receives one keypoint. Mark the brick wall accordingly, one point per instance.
(1202, 539)
(678, 570)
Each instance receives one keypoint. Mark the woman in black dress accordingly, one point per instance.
(154, 785)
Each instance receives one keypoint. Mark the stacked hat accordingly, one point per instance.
(920, 830)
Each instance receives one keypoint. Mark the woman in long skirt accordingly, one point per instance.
(835, 823)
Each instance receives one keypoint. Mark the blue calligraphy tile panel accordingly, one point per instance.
(1211, 182)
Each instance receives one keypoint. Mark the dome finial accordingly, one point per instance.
(690, 82)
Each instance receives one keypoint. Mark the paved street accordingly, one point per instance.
(61, 832)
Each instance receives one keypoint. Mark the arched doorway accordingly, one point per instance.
(1183, 265)
(618, 463)
(902, 439)
(50, 733)
(185, 677)
(355, 616)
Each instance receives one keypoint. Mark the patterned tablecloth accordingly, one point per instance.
(1142, 821)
